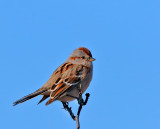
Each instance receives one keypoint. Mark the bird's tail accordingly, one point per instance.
(28, 97)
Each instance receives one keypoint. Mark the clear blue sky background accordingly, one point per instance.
(123, 35)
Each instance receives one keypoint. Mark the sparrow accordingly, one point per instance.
(72, 77)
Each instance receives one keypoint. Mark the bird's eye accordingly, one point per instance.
(83, 57)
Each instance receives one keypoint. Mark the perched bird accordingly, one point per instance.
(67, 79)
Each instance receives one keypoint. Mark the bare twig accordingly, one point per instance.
(69, 109)
(77, 120)
(81, 103)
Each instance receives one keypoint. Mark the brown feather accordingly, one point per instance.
(85, 50)
(43, 98)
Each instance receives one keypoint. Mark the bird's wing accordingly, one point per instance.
(55, 77)
(71, 75)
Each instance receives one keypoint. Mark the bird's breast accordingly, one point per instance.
(75, 92)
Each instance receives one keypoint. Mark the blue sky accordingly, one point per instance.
(124, 37)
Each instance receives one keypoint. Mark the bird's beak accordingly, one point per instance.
(92, 59)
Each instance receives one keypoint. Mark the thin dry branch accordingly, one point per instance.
(81, 103)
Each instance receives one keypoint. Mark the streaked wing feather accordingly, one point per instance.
(71, 77)
(43, 98)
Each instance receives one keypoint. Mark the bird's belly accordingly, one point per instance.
(75, 92)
